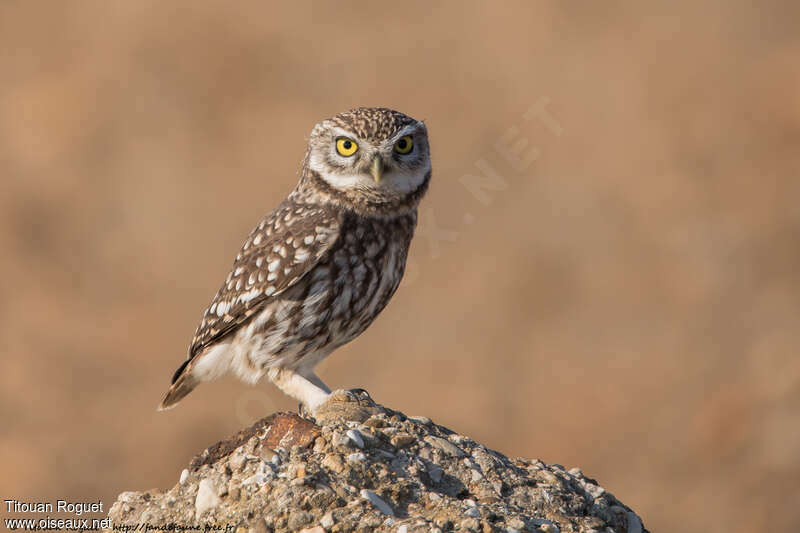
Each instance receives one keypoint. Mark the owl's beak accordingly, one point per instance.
(376, 168)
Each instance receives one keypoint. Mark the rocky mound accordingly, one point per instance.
(362, 467)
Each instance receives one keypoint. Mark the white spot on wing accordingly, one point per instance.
(249, 295)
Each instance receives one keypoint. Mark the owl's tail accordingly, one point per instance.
(182, 384)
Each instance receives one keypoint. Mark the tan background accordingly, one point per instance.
(627, 302)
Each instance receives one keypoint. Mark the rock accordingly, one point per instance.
(402, 440)
(288, 473)
(355, 436)
(333, 462)
(444, 445)
(327, 520)
(377, 502)
(299, 519)
(357, 457)
(206, 498)
(259, 526)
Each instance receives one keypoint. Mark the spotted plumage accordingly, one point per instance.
(317, 270)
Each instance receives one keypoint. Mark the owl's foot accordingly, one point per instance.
(354, 404)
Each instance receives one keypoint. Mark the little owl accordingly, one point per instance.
(318, 269)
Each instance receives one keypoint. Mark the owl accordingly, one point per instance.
(318, 269)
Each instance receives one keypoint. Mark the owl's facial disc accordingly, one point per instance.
(390, 167)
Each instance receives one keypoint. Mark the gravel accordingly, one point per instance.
(363, 467)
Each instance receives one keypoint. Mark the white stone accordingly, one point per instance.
(355, 436)
(376, 500)
(327, 520)
(207, 497)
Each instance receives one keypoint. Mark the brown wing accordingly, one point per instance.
(284, 246)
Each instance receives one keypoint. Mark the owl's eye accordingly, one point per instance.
(346, 147)
(404, 145)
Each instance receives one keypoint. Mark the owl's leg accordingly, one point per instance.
(313, 378)
(312, 394)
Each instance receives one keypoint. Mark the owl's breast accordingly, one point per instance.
(338, 298)
(366, 271)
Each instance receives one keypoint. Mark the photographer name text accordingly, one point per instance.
(60, 506)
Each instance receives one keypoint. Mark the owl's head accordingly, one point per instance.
(371, 159)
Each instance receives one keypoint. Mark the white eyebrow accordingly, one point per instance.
(411, 128)
(340, 132)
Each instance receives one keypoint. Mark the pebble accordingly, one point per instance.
(402, 529)
(424, 420)
(594, 491)
(357, 457)
(260, 526)
(446, 446)
(375, 421)
(184, 476)
(327, 520)
(333, 462)
(268, 454)
(340, 440)
(401, 440)
(435, 472)
(237, 461)
(256, 479)
(355, 436)
(376, 500)
(473, 512)
(547, 477)
(128, 497)
(207, 497)
(458, 439)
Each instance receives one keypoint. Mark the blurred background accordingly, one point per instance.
(606, 275)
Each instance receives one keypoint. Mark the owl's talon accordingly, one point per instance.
(361, 394)
(346, 404)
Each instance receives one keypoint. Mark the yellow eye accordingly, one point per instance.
(404, 145)
(346, 147)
